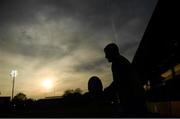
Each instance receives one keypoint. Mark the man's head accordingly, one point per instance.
(111, 52)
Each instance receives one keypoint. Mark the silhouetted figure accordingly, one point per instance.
(94, 99)
(95, 88)
(125, 83)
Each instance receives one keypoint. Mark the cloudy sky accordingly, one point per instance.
(63, 41)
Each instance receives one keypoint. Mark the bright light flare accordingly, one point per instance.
(14, 73)
(48, 84)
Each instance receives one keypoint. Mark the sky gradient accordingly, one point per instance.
(63, 40)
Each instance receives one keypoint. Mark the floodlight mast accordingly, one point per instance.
(13, 75)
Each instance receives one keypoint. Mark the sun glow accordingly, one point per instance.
(48, 84)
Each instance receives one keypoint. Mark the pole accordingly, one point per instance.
(13, 87)
(54, 91)
(13, 74)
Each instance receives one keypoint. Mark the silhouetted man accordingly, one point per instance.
(125, 83)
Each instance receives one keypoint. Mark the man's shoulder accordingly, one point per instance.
(124, 60)
(121, 61)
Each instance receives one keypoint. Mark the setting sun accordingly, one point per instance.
(48, 84)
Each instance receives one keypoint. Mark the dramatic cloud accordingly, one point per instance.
(63, 40)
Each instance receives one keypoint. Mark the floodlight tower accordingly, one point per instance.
(13, 75)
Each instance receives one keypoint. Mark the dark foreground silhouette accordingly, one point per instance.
(94, 103)
(125, 83)
(74, 105)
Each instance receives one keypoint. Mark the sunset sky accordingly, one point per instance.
(63, 41)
